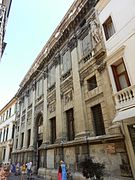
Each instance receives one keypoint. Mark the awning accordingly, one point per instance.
(125, 114)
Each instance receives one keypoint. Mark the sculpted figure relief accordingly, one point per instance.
(95, 31)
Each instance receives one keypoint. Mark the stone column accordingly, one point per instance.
(32, 119)
(59, 122)
(25, 126)
(45, 117)
(79, 117)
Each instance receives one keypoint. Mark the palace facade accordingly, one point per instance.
(65, 107)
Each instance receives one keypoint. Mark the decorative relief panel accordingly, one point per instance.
(38, 108)
(66, 85)
(29, 116)
(87, 70)
(68, 97)
(52, 107)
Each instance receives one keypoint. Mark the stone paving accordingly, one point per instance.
(33, 177)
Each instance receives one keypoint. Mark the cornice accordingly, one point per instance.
(69, 22)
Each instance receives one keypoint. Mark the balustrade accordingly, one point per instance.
(125, 97)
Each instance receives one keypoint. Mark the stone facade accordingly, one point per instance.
(65, 106)
(7, 127)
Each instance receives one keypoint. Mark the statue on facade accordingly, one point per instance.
(95, 31)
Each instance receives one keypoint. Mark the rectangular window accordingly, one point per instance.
(30, 97)
(86, 45)
(4, 153)
(120, 75)
(7, 134)
(91, 83)
(53, 130)
(108, 28)
(51, 77)
(7, 114)
(10, 112)
(16, 143)
(98, 120)
(13, 131)
(66, 63)
(4, 135)
(70, 124)
(22, 139)
(29, 135)
(10, 152)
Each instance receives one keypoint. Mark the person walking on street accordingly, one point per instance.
(64, 171)
(59, 173)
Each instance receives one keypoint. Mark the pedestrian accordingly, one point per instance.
(13, 169)
(29, 168)
(17, 171)
(23, 171)
(64, 170)
(59, 173)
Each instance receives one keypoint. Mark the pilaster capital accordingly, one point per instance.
(72, 43)
(57, 59)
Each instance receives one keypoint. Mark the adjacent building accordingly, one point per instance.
(4, 14)
(7, 127)
(118, 25)
(69, 99)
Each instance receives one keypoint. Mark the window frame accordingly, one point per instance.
(116, 75)
(98, 124)
(53, 130)
(91, 85)
(105, 25)
(70, 124)
(66, 53)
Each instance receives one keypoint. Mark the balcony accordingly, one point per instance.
(125, 98)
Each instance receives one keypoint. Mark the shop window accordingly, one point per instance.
(91, 83)
(120, 75)
(70, 124)
(98, 120)
(108, 28)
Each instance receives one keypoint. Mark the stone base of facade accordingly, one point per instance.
(52, 175)
(109, 150)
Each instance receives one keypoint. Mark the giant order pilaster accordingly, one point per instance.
(19, 138)
(45, 113)
(25, 125)
(79, 118)
(33, 118)
(59, 122)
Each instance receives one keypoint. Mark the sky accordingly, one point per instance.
(28, 28)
